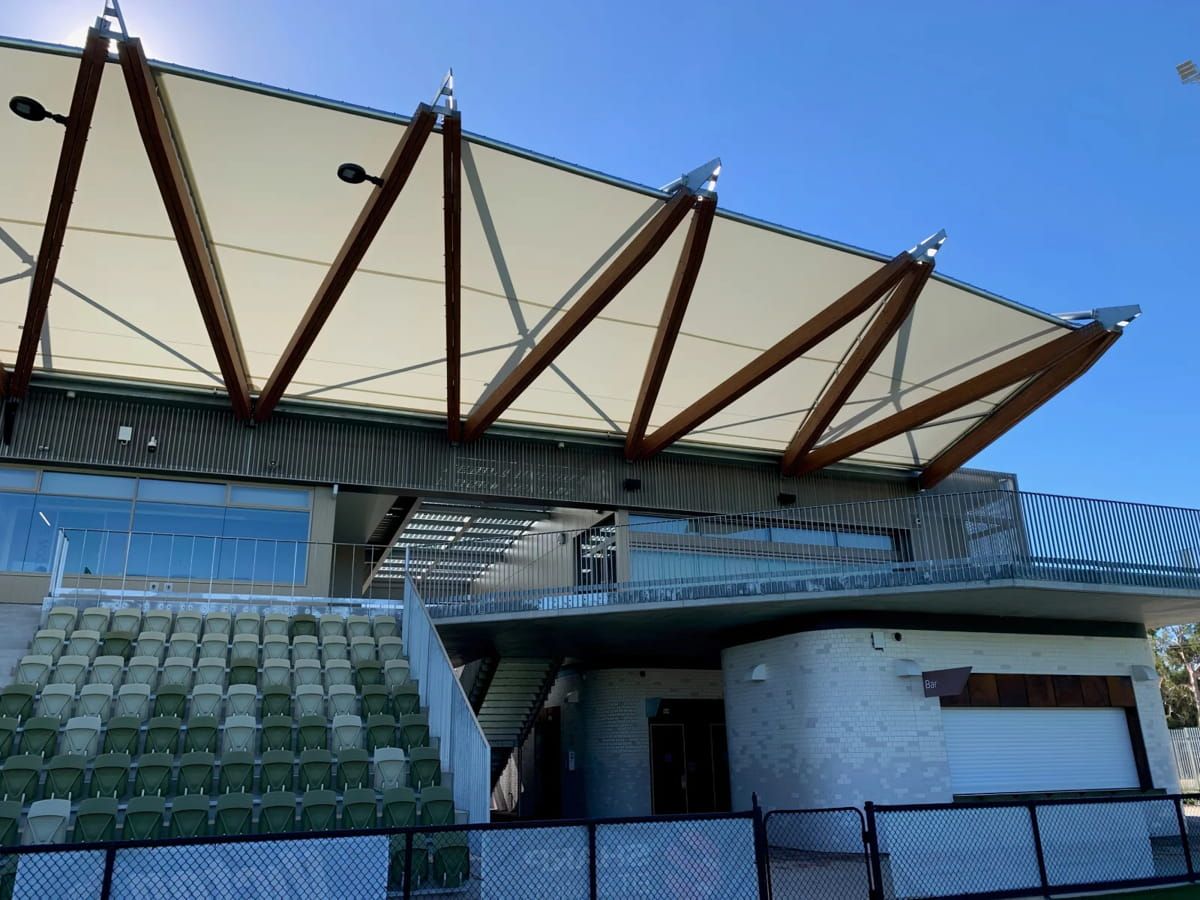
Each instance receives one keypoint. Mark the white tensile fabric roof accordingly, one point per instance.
(534, 231)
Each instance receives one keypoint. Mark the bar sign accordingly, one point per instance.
(945, 682)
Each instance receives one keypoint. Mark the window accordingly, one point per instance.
(97, 530)
(290, 498)
(16, 512)
(181, 492)
(21, 479)
(88, 485)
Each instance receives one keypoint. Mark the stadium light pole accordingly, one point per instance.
(1189, 72)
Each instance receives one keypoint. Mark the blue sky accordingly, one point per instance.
(1053, 141)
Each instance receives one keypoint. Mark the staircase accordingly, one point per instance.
(507, 694)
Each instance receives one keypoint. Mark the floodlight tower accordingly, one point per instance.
(1188, 71)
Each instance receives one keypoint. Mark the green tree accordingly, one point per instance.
(1177, 658)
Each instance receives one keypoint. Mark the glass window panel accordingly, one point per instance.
(97, 530)
(175, 540)
(264, 545)
(87, 485)
(804, 536)
(18, 478)
(181, 492)
(291, 498)
(16, 512)
(859, 541)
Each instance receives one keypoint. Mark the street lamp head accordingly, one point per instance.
(353, 173)
(33, 111)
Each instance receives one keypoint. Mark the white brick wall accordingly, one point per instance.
(832, 725)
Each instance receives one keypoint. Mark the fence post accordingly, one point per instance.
(593, 879)
(761, 861)
(408, 859)
(1037, 846)
(110, 858)
(871, 840)
(1183, 838)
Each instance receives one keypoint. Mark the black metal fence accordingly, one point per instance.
(820, 854)
(705, 857)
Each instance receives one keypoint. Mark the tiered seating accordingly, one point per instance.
(132, 723)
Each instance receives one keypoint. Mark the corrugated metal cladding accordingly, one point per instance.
(205, 440)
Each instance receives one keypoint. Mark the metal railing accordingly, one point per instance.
(463, 748)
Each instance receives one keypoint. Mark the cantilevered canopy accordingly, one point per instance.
(540, 247)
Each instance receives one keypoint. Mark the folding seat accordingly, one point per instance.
(337, 671)
(307, 672)
(218, 623)
(171, 700)
(110, 775)
(57, 701)
(362, 650)
(276, 673)
(277, 701)
(211, 671)
(83, 643)
(237, 773)
(235, 814)
(347, 733)
(48, 642)
(247, 623)
(153, 775)
(108, 670)
(195, 773)
(143, 819)
(19, 776)
(95, 700)
(122, 734)
(96, 820)
(276, 770)
(117, 643)
(62, 618)
(318, 811)
(241, 700)
(70, 670)
(399, 808)
(391, 768)
(151, 643)
(424, 767)
(275, 624)
(245, 648)
(353, 769)
(64, 777)
(395, 672)
(41, 735)
(201, 734)
(390, 649)
(310, 700)
(162, 734)
(312, 733)
(215, 646)
(316, 770)
(46, 822)
(239, 735)
(305, 647)
(381, 731)
(206, 700)
(244, 672)
(451, 859)
(359, 809)
(343, 700)
(133, 700)
(34, 670)
(276, 646)
(334, 648)
(8, 736)
(128, 618)
(188, 623)
(358, 626)
(368, 673)
(302, 625)
(95, 618)
(182, 646)
(385, 627)
(414, 730)
(16, 701)
(437, 806)
(81, 735)
(176, 672)
(142, 670)
(189, 816)
(276, 733)
(277, 814)
(331, 625)
(157, 620)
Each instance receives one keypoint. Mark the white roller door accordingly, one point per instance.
(1011, 751)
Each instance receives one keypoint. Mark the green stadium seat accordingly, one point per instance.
(451, 859)
(170, 700)
(62, 618)
(316, 770)
(57, 701)
(215, 646)
(353, 769)
(247, 623)
(359, 809)
(334, 648)
(8, 736)
(358, 626)
(122, 734)
(95, 618)
(331, 625)
(276, 673)
(310, 700)
(235, 814)
(313, 733)
(276, 646)
(368, 673)
(381, 731)
(162, 734)
(10, 822)
(414, 730)
(110, 775)
(141, 670)
(343, 701)
(241, 700)
(211, 671)
(276, 733)
(275, 624)
(276, 702)
(395, 673)
(305, 647)
(19, 776)
(64, 777)
(437, 806)
(153, 775)
(244, 672)
(237, 773)
(70, 670)
(195, 773)
(46, 822)
(34, 671)
(133, 700)
(424, 767)
(108, 670)
(302, 625)
(189, 816)
(399, 808)
(277, 813)
(338, 671)
(143, 819)
(245, 648)
(362, 651)
(307, 672)
(188, 623)
(95, 700)
(390, 649)
(318, 811)
(152, 644)
(117, 643)
(206, 701)
(129, 620)
(391, 768)
(81, 735)
(239, 734)
(276, 770)
(16, 701)
(385, 627)
(182, 646)
(158, 620)
(48, 642)
(41, 735)
(218, 623)
(201, 734)
(83, 643)
(347, 733)
(96, 820)
(176, 672)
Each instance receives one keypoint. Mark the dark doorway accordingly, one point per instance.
(668, 768)
(689, 762)
(547, 763)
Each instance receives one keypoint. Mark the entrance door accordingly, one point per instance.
(668, 769)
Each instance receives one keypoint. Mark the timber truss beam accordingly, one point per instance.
(452, 226)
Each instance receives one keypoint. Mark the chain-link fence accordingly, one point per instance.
(819, 854)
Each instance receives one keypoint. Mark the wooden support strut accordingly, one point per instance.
(167, 164)
(70, 158)
(631, 260)
(452, 222)
(370, 220)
